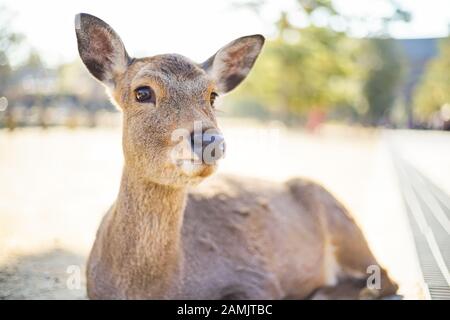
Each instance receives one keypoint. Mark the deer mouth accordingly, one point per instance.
(195, 168)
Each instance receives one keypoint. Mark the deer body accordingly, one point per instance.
(227, 238)
(225, 243)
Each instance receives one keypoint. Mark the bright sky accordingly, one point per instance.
(195, 28)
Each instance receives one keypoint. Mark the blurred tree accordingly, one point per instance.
(318, 69)
(385, 70)
(35, 70)
(310, 6)
(434, 90)
(303, 69)
(8, 42)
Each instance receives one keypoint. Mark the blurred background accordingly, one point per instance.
(352, 93)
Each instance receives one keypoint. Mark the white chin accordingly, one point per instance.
(194, 169)
(190, 167)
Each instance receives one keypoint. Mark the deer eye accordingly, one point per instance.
(144, 94)
(212, 98)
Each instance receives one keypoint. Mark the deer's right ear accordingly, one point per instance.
(100, 48)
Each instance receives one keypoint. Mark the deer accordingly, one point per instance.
(173, 231)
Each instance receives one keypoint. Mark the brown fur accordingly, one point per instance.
(228, 238)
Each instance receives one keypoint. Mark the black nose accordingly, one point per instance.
(208, 145)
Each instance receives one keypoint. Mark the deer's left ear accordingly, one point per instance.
(100, 48)
(231, 64)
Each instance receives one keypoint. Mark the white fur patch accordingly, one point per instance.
(331, 268)
(189, 167)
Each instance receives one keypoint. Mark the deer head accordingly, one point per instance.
(170, 133)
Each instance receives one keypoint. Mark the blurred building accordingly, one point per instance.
(67, 95)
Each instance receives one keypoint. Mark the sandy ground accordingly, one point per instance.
(55, 185)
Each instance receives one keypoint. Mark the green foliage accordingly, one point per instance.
(303, 69)
(385, 72)
(434, 90)
(317, 68)
(311, 5)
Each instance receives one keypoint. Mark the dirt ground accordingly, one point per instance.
(55, 185)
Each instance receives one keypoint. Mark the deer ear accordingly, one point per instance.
(231, 64)
(100, 48)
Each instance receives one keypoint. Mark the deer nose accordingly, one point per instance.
(208, 145)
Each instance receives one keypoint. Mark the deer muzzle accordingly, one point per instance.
(208, 145)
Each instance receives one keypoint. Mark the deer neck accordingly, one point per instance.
(150, 216)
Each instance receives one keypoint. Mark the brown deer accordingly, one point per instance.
(229, 238)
